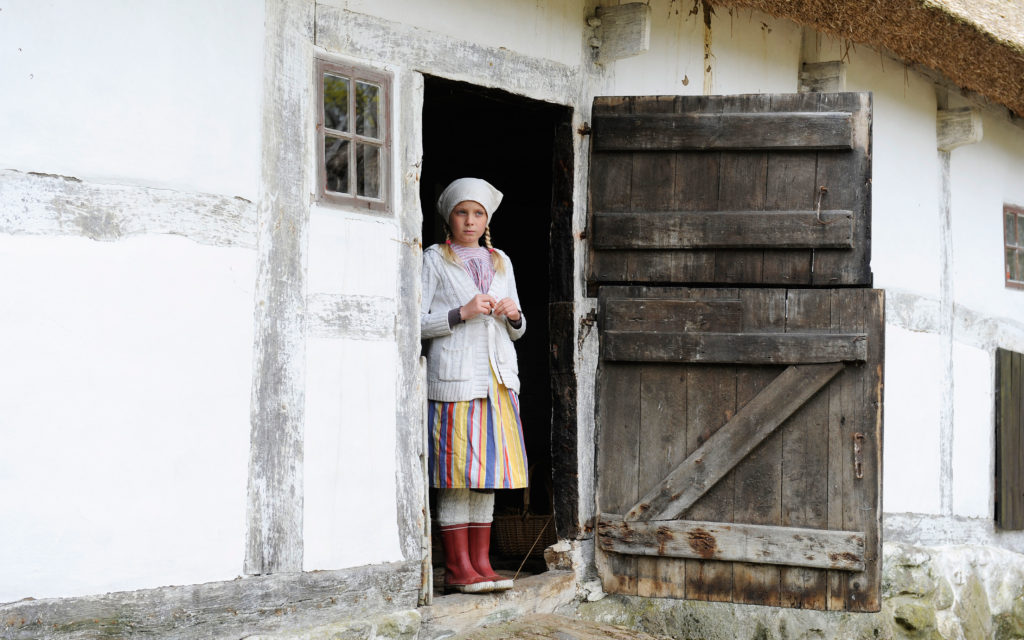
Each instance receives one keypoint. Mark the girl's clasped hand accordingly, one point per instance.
(483, 303)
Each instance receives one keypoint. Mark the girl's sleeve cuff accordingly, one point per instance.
(454, 317)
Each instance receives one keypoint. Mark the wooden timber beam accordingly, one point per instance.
(775, 131)
(788, 546)
(733, 348)
(831, 229)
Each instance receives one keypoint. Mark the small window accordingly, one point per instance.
(1009, 494)
(353, 137)
(1013, 241)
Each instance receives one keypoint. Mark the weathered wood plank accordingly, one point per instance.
(1006, 442)
(727, 131)
(653, 187)
(790, 186)
(1016, 402)
(758, 485)
(711, 403)
(863, 310)
(742, 186)
(53, 205)
(738, 348)
(662, 408)
(697, 177)
(624, 31)
(805, 457)
(1009, 432)
(610, 180)
(330, 315)
(649, 314)
(564, 439)
(649, 229)
(274, 503)
(847, 177)
(730, 444)
(245, 607)
(785, 546)
(838, 462)
(618, 461)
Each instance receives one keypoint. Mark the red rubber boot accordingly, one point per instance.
(459, 575)
(480, 555)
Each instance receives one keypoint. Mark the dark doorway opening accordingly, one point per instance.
(524, 148)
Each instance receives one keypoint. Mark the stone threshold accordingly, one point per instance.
(538, 594)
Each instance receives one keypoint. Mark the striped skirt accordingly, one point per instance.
(477, 444)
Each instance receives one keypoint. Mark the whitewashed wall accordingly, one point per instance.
(544, 29)
(127, 363)
(126, 384)
(942, 331)
(164, 95)
(751, 53)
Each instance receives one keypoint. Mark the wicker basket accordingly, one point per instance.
(519, 535)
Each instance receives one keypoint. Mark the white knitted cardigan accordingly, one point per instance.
(459, 359)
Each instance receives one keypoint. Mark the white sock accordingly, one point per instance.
(453, 506)
(481, 506)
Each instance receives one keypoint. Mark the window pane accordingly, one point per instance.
(368, 170)
(336, 102)
(1018, 274)
(336, 152)
(1020, 231)
(367, 109)
(1010, 226)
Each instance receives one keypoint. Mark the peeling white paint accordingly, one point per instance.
(358, 317)
(37, 204)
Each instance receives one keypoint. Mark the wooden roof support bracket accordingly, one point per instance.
(621, 31)
(957, 127)
(826, 77)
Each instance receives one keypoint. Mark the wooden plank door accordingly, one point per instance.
(739, 428)
(738, 190)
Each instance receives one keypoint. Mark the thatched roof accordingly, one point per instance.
(978, 44)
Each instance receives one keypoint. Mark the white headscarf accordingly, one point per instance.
(473, 189)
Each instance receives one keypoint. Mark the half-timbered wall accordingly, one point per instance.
(128, 177)
(156, 128)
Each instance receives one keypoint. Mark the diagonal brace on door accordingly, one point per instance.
(685, 484)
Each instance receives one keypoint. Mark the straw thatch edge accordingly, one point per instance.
(918, 32)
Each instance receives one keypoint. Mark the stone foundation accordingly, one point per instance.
(947, 593)
(965, 592)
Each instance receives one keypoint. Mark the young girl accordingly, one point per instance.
(470, 313)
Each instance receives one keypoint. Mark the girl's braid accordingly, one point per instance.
(499, 266)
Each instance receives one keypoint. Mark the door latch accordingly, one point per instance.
(858, 446)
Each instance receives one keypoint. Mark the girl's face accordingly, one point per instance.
(468, 221)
